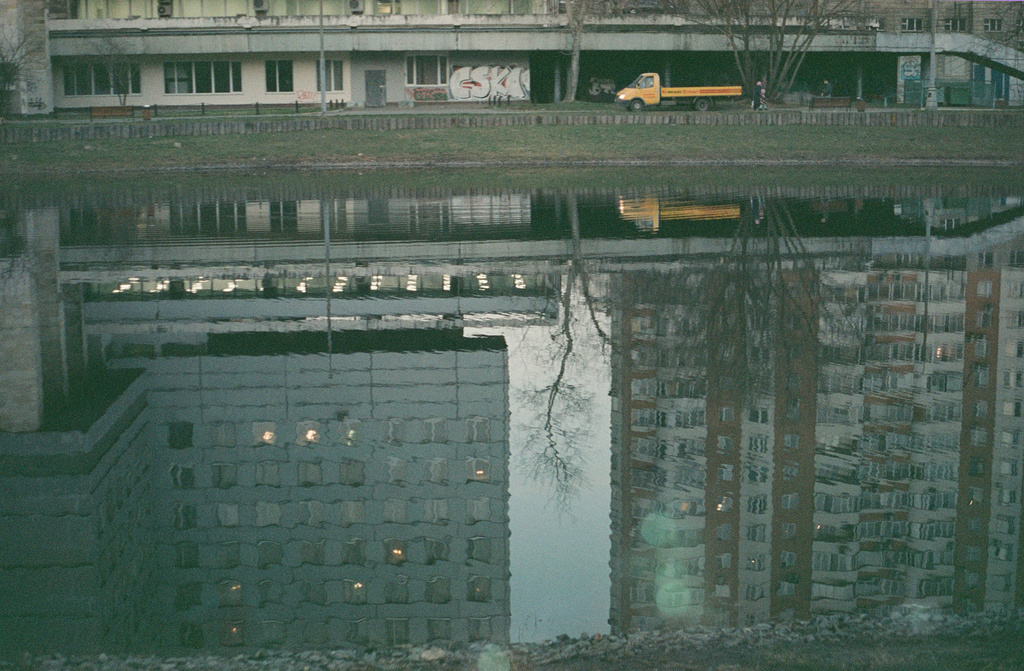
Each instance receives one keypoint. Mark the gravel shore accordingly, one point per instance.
(904, 639)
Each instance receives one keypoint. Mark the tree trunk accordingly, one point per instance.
(573, 76)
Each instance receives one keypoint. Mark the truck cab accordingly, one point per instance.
(643, 92)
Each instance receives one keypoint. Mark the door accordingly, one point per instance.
(376, 84)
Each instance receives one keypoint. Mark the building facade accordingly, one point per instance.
(384, 52)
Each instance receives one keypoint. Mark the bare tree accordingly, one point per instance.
(559, 434)
(770, 38)
(15, 48)
(119, 67)
(579, 12)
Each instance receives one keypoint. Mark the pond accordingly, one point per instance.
(297, 411)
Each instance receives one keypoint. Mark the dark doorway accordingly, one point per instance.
(376, 88)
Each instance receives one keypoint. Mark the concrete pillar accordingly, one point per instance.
(31, 330)
(43, 227)
(34, 93)
(558, 82)
(668, 74)
(860, 81)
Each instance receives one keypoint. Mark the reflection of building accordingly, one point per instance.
(249, 488)
(359, 498)
(463, 216)
(842, 440)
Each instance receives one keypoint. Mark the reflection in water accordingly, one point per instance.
(800, 423)
(807, 431)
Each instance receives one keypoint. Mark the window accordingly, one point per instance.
(203, 77)
(279, 76)
(758, 443)
(985, 288)
(981, 409)
(955, 24)
(789, 501)
(912, 25)
(791, 441)
(985, 259)
(983, 318)
(725, 443)
(992, 25)
(981, 347)
(335, 79)
(95, 79)
(980, 371)
(787, 558)
(426, 70)
(725, 414)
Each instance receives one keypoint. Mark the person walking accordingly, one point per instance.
(826, 89)
(764, 99)
(755, 100)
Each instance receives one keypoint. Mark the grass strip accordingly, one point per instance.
(524, 146)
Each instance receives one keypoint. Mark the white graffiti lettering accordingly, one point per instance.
(489, 81)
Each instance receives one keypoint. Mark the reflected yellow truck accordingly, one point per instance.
(649, 212)
(646, 91)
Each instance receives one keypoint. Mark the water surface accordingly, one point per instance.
(256, 414)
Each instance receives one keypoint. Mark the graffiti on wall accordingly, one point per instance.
(599, 86)
(428, 94)
(490, 81)
(910, 67)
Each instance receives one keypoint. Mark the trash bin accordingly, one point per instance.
(147, 113)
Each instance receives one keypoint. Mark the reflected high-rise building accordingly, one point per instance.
(258, 474)
(817, 426)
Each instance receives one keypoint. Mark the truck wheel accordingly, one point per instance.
(637, 105)
(702, 104)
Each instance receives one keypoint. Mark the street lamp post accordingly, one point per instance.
(323, 68)
(931, 101)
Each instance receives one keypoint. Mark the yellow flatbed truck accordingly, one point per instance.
(646, 91)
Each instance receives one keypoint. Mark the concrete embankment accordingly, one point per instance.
(19, 132)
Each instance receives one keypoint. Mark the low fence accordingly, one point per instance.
(16, 132)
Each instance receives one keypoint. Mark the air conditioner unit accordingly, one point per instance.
(261, 6)
(357, 6)
(164, 9)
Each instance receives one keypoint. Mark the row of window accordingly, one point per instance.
(952, 24)
(183, 77)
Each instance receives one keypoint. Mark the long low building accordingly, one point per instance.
(96, 53)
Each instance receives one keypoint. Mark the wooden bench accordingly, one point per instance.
(112, 112)
(820, 102)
